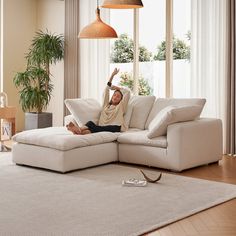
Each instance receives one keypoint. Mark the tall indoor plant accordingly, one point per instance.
(34, 84)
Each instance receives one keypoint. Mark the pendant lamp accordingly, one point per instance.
(97, 29)
(122, 4)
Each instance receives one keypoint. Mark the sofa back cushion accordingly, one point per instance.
(161, 103)
(141, 107)
(84, 110)
(169, 115)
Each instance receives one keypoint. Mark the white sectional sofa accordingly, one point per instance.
(185, 145)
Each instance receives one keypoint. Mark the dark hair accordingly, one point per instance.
(110, 103)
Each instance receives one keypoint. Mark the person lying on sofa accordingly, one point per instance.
(112, 114)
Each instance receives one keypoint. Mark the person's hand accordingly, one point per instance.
(115, 72)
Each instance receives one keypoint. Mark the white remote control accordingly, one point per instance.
(134, 183)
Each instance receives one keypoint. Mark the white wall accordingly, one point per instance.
(51, 16)
(19, 23)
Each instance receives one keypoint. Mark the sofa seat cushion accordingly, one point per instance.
(140, 138)
(61, 139)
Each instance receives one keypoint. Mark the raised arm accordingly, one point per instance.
(115, 72)
(124, 91)
(106, 95)
(126, 96)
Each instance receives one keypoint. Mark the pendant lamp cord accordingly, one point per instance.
(97, 3)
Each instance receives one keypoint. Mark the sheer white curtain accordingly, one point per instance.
(208, 55)
(94, 54)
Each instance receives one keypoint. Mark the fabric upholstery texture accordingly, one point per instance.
(140, 138)
(127, 116)
(61, 139)
(143, 155)
(84, 110)
(161, 103)
(194, 143)
(141, 106)
(64, 161)
(170, 115)
(186, 144)
(190, 144)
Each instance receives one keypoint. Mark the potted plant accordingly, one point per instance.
(34, 84)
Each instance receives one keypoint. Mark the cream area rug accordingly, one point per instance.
(93, 201)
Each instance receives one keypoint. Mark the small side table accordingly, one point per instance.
(9, 114)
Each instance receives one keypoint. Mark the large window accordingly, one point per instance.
(181, 48)
(122, 53)
(150, 27)
(152, 31)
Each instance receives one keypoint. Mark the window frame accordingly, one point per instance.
(169, 49)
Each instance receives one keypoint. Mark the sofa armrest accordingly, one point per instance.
(68, 119)
(194, 142)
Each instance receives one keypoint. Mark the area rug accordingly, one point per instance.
(93, 201)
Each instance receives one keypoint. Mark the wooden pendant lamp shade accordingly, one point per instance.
(97, 29)
(122, 4)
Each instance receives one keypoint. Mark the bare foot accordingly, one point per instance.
(85, 131)
(74, 128)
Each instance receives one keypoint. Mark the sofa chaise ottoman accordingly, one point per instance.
(57, 149)
(184, 145)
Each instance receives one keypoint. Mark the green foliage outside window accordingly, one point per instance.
(180, 49)
(127, 80)
(123, 51)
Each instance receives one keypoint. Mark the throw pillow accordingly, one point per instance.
(161, 103)
(170, 115)
(84, 110)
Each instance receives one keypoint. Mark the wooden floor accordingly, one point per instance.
(216, 221)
